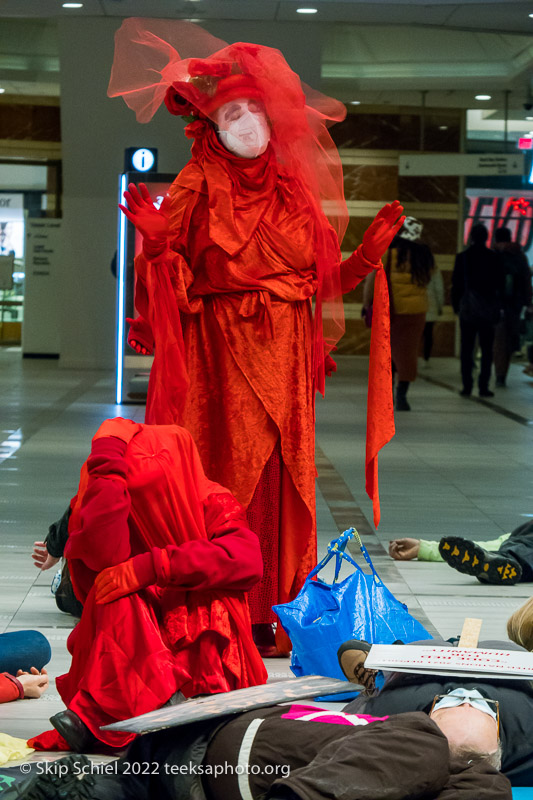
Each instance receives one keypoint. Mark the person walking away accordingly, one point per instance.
(517, 294)
(477, 294)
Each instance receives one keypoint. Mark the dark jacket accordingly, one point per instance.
(58, 535)
(479, 271)
(403, 692)
(400, 758)
(517, 289)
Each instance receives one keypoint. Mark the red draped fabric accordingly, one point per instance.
(242, 278)
(191, 630)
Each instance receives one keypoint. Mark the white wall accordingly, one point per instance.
(95, 132)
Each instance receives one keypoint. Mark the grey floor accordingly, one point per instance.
(455, 466)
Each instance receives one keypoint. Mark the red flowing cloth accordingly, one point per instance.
(380, 410)
(130, 656)
(238, 280)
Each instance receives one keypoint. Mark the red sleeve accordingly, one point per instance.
(229, 559)
(10, 688)
(103, 539)
(354, 269)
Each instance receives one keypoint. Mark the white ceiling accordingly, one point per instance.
(493, 15)
(378, 52)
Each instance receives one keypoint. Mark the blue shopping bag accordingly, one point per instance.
(324, 615)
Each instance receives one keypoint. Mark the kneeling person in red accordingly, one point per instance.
(161, 559)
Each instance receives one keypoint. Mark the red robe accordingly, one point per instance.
(190, 631)
(229, 305)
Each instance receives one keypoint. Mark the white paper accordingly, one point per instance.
(451, 661)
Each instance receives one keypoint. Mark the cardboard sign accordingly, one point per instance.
(444, 661)
(236, 702)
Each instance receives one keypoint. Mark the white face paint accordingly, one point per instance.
(243, 128)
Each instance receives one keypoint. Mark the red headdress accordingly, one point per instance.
(194, 73)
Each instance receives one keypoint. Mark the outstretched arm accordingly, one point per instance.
(376, 241)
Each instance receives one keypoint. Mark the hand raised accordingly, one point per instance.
(382, 231)
(152, 223)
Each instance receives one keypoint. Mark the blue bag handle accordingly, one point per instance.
(336, 549)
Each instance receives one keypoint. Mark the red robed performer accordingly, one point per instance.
(246, 239)
(161, 558)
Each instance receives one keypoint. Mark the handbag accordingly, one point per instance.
(324, 615)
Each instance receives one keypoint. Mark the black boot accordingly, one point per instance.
(75, 732)
(469, 558)
(401, 396)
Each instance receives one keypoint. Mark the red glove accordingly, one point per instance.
(123, 429)
(140, 336)
(115, 582)
(382, 231)
(152, 224)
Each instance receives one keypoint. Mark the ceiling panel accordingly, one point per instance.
(500, 15)
(187, 9)
(46, 8)
(363, 13)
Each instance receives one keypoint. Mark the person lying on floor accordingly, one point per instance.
(502, 561)
(161, 559)
(48, 554)
(284, 752)
(483, 717)
(23, 655)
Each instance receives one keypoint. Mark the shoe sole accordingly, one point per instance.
(77, 784)
(470, 559)
(353, 646)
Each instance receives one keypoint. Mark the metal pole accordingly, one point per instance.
(506, 119)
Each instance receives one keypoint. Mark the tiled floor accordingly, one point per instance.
(455, 466)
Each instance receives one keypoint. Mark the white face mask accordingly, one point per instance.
(461, 696)
(243, 128)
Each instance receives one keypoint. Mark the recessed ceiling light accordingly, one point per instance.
(483, 97)
(529, 119)
(530, 15)
(72, 5)
(355, 102)
(306, 10)
(2, 91)
(443, 127)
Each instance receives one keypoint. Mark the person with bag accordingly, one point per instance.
(517, 294)
(478, 283)
(239, 284)
(161, 558)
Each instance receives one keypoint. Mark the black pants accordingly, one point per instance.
(519, 546)
(485, 331)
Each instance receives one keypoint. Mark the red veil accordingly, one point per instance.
(176, 61)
